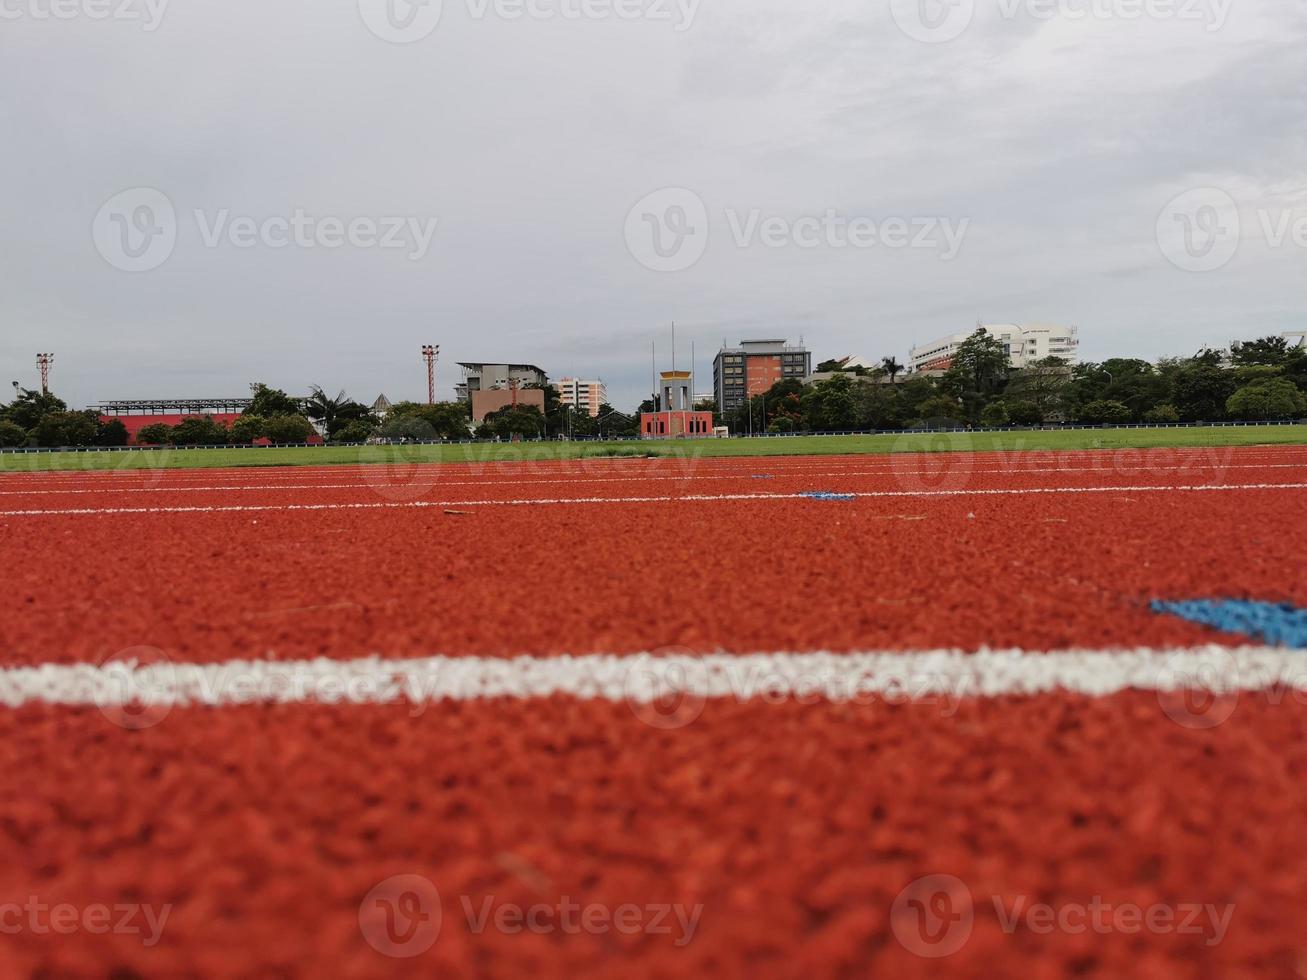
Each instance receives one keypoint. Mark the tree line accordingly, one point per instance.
(1258, 380)
(36, 419)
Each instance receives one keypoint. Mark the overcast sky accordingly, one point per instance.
(199, 194)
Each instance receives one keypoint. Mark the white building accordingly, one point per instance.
(585, 395)
(1025, 344)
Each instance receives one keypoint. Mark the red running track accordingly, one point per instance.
(794, 827)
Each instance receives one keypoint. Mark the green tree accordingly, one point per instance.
(1022, 411)
(1162, 414)
(12, 435)
(940, 408)
(157, 434)
(73, 429)
(30, 407)
(201, 430)
(828, 406)
(271, 402)
(354, 432)
(980, 364)
(1269, 351)
(995, 415)
(1199, 392)
(111, 433)
(246, 428)
(335, 413)
(891, 367)
(1105, 412)
(524, 421)
(1268, 400)
(289, 429)
(426, 423)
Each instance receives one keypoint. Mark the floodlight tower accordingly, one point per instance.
(43, 361)
(430, 354)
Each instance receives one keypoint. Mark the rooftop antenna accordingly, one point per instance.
(673, 345)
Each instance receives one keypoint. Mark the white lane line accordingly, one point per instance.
(642, 678)
(254, 488)
(796, 464)
(685, 498)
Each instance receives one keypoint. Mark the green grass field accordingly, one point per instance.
(791, 446)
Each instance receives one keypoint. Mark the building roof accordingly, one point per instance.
(474, 365)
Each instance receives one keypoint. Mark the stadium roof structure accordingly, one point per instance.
(171, 406)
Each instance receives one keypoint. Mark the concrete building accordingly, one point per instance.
(585, 395)
(496, 377)
(485, 402)
(753, 367)
(674, 416)
(1025, 344)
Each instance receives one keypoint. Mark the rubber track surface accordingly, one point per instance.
(795, 827)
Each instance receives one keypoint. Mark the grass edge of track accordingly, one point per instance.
(1043, 440)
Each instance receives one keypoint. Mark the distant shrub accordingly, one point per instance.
(1105, 412)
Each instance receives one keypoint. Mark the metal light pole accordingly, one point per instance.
(430, 354)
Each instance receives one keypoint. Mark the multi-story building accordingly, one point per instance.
(497, 377)
(1025, 344)
(585, 395)
(753, 367)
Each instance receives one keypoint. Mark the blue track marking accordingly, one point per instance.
(1280, 624)
(827, 495)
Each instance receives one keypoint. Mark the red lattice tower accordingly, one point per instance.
(43, 362)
